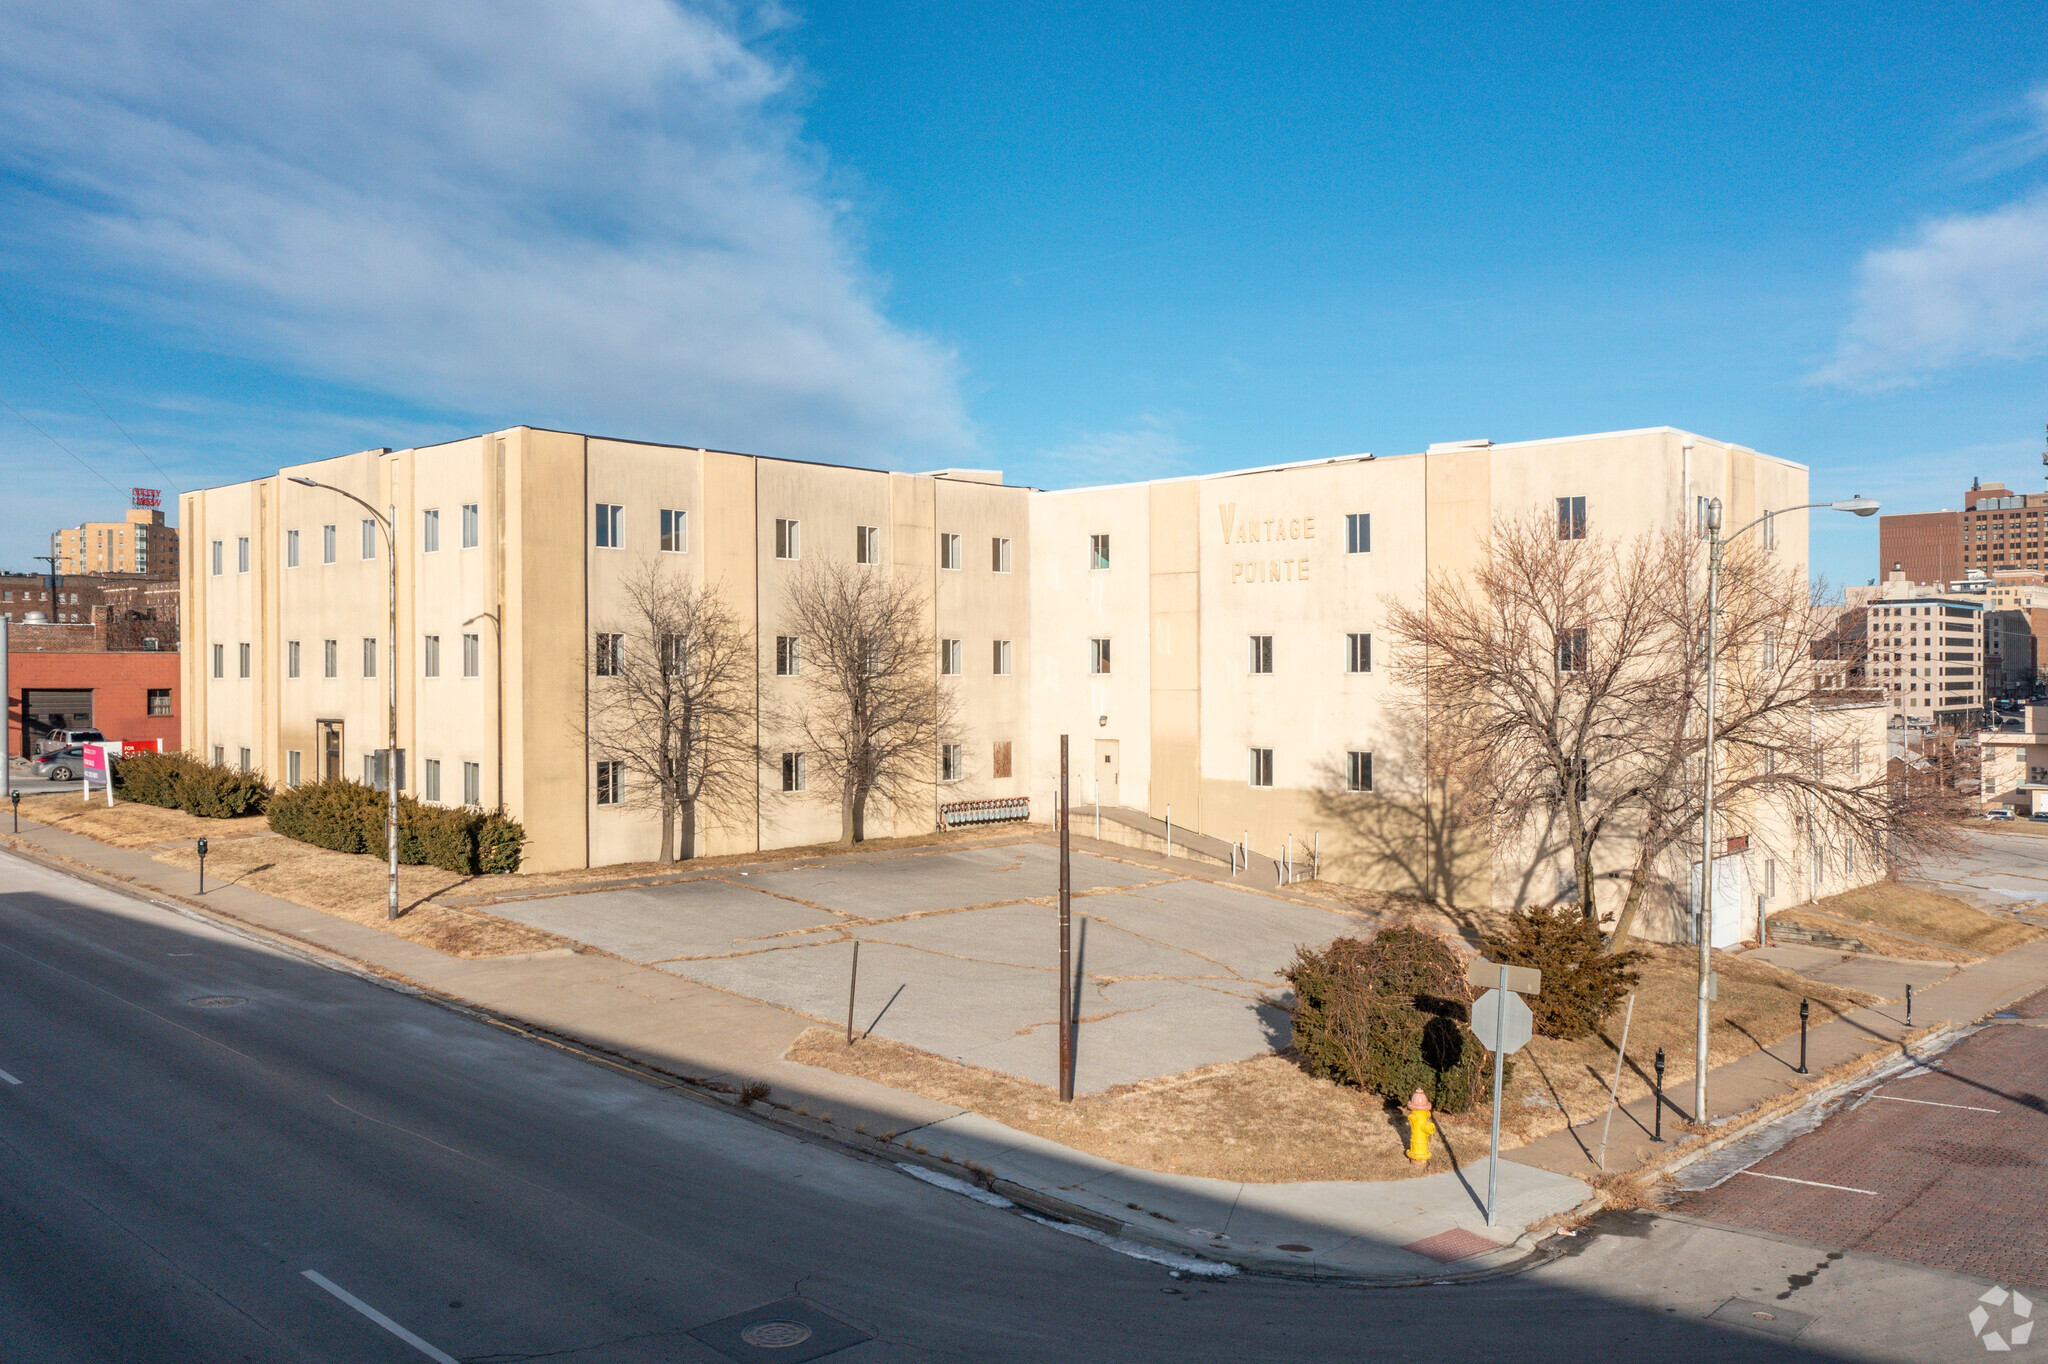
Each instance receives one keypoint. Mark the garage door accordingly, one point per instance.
(48, 710)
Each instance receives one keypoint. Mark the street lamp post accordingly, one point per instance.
(384, 523)
(1860, 506)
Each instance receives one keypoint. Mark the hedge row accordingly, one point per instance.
(177, 781)
(349, 817)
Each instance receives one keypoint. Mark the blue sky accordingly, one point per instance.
(1076, 243)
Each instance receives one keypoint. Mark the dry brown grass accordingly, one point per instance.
(1904, 921)
(129, 825)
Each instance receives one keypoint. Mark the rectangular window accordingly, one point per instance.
(675, 532)
(1770, 879)
(788, 657)
(1358, 653)
(369, 657)
(216, 557)
(867, 544)
(949, 551)
(473, 784)
(999, 554)
(430, 530)
(1098, 655)
(330, 650)
(1098, 551)
(370, 771)
(220, 660)
(1699, 515)
(1357, 771)
(470, 527)
(949, 762)
(611, 651)
(291, 549)
(1002, 658)
(242, 662)
(291, 767)
(327, 541)
(472, 656)
(430, 656)
(1571, 651)
(369, 539)
(949, 658)
(1000, 766)
(788, 539)
(609, 524)
(1262, 653)
(243, 761)
(1770, 530)
(220, 756)
(1571, 518)
(159, 700)
(1262, 767)
(792, 771)
(611, 782)
(430, 777)
(1358, 533)
(241, 554)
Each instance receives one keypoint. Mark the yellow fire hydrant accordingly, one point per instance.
(1421, 1127)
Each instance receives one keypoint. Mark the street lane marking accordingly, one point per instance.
(8, 1078)
(1811, 1184)
(1967, 1108)
(374, 1315)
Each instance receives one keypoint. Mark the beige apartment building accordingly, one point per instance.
(1211, 645)
(141, 543)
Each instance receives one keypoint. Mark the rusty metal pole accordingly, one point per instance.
(1066, 942)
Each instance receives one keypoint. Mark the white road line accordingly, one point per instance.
(1967, 1108)
(8, 1078)
(374, 1315)
(1811, 1184)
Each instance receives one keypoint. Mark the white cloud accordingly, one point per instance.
(591, 211)
(1146, 447)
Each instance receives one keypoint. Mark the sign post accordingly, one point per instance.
(1503, 1024)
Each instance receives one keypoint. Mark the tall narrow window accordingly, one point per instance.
(242, 662)
(611, 651)
(1358, 653)
(949, 658)
(327, 544)
(949, 551)
(1358, 533)
(1002, 658)
(999, 765)
(1098, 656)
(220, 660)
(369, 657)
(217, 546)
(611, 782)
(1769, 530)
(330, 658)
(609, 526)
(949, 762)
(369, 539)
(792, 771)
(291, 549)
(999, 555)
(220, 756)
(291, 767)
(430, 530)
(1262, 767)
(1770, 648)
(472, 656)
(242, 761)
(1098, 551)
(470, 527)
(1571, 651)
(1699, 516)
(1262, 653)
(241, 554)
(430, 779)
(788, 656)
(473, 784)
(430, 656)
(1571, 518)
(1357, 771)
(788, 539)
(867, 544)
(675, 532)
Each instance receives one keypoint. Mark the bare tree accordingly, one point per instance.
(672, 697)
(1565, 681)
(871, 709)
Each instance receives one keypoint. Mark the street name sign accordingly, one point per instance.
(1523, 980)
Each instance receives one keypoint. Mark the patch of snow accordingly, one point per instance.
(1186, 1264)
(958, 1186)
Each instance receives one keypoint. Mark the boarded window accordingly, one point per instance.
(1000, 759)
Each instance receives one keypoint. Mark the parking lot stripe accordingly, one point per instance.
(8, 1078)
(1811, 1184)
(387, 1323)
(1967, 1108)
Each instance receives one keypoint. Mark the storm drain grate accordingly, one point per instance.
(1768, 1317)
(216, 1001)
(1455, 1244)
(791, 1330)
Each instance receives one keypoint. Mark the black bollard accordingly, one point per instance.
(1804, 1009)
(1909, 1003)
(1658, 1135)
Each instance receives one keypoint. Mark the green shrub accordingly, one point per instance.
(1389, 1016)
(151, 778)
(177, 781)
(349, 817)
(1583, 983)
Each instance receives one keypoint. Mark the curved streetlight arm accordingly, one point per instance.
(383, 521)
(1858, 506)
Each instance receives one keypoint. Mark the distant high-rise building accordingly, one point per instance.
(142, 544)
(1996, 529)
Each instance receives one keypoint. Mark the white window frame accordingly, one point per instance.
(611, 781)
(1260, 661)
(330, 543)
(430, 655)
(473, 785)
(949, 551)
(608, 525)
(999, 554)
(675, 531)
(430, 531)
(789, 538)
(867, 544)
(430, 779)
(949, 658)
(220, 662)
(1358, 652)
(609, 654)
(330, 658)
(369, 539)
(291, 549)
(291, 767)
(1358, 770)
(241, 554)
(951, 762)
(1000, 658)
(472, 655)
(1358, 532)
(1098, 657)
(369, 656)
(1261, 773)
(1571, 518)
(1098, 553)
(472, 527)
(243, 660)
(792, 772)
(291, 659)
(789, 656)
(219, 559)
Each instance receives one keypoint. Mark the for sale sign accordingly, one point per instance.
(96, 762)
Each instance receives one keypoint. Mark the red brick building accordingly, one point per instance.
(106, 672)
(1927, 547)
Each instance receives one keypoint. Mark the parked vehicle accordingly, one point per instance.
(2041, 815)
(61, 764)
(63, 738)
(2002, 812)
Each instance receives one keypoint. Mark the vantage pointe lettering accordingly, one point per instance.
(1273, 530)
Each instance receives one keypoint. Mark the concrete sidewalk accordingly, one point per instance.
(712, 1042)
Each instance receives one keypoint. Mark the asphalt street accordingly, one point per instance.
(213, 1150)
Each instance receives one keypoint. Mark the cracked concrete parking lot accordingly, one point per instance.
(959, 953)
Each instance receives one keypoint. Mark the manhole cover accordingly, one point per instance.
(216, 1001)
(787, 1331)
(776, 1335)
(1761, 1316)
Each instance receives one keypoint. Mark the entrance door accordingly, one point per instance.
(330, 750)
(1734, 900)
(1108, 790)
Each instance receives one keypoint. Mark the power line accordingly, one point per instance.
(61, 446)
(33, 336)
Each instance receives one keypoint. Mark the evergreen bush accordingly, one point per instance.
(349, 816)
(151, 778)
(1390, 1016)
(178, 781)
(500, 842)
(1583, 983)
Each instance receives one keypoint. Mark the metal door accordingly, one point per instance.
(330, 749)
(1108, 790)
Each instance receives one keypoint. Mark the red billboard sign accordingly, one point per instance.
(146, 497)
